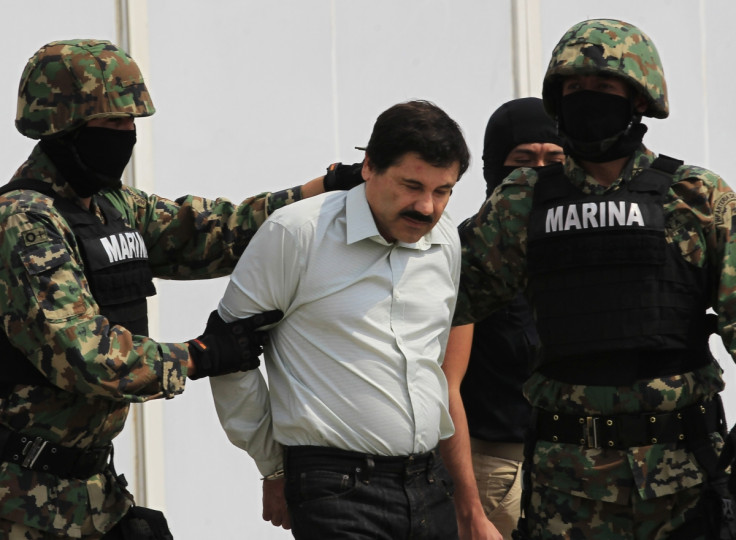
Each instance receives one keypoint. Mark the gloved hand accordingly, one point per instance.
(343, 177)
(230, 347)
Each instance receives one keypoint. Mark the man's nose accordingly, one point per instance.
(424, 204)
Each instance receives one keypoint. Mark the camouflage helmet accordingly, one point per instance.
(607, 46)
(67, 83)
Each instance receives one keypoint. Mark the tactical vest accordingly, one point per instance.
(116, 267)
(613, 300)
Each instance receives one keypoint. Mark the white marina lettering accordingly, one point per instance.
(616, 213)
(554, 219)
(112, 248)
(572, 219)
(132, 244)
(127, 245)
(603, 213)
(124, 248)
(635, 216)
(589, 212)
(593, 215)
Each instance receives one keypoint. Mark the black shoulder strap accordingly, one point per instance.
(657, 177)
(666, 164)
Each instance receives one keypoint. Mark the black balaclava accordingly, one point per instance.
(515, 122)
(599, 127)
(91, 158)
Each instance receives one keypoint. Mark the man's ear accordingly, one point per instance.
(367, 170)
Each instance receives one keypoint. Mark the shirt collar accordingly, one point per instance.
(361, 225)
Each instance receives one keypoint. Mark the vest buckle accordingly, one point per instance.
(590, 431)
(31, 452)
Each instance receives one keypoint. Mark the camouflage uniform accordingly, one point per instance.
(641, 492)
(48, 312)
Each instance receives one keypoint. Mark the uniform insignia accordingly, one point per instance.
(36, 235)
(139, 200)
(721, 206)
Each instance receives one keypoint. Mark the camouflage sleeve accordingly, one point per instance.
(494, 249)
(49, 314)
(195, 238)
(721, 244)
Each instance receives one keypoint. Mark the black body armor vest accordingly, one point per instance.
(613, 300)
(115, 265)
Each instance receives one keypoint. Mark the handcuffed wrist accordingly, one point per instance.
(274, 475)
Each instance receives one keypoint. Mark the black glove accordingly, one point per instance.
(343, 177)
(230, 347)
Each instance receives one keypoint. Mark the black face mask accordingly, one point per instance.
(599, 127)
(106, 152)
(91, 158)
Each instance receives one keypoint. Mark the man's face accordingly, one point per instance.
(535, 155)
(408, 198)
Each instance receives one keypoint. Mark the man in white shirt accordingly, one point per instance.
(357, 402)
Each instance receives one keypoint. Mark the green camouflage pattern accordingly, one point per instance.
(653, 519)
(67, 83)
(700, 218)
(610, 47)
(47, 311)
(618, 477)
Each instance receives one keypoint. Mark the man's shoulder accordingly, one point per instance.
(22, 200)
(695, 172)
(680, 170)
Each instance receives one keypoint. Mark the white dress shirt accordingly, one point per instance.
(355, 362)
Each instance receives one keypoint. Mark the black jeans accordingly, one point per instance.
(334, 494)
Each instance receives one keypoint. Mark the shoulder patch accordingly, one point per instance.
(139, 200)
(35, 236)
(721, 207)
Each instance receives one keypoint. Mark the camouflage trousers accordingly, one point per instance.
(18, 531)
(553, 514)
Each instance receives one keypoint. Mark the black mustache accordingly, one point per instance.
(411, 214)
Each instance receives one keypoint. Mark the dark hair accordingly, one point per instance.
(421, 127)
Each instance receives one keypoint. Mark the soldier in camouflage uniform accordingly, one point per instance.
(78, 252)
(620, 255)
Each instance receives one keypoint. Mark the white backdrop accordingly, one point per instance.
(255, 95)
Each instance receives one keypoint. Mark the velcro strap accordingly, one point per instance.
(38, 454)
(620, 432)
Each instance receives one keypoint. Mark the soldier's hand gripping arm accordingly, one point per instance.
(343, 177)
(229, 347)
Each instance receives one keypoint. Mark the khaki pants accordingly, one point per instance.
(497, 468)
